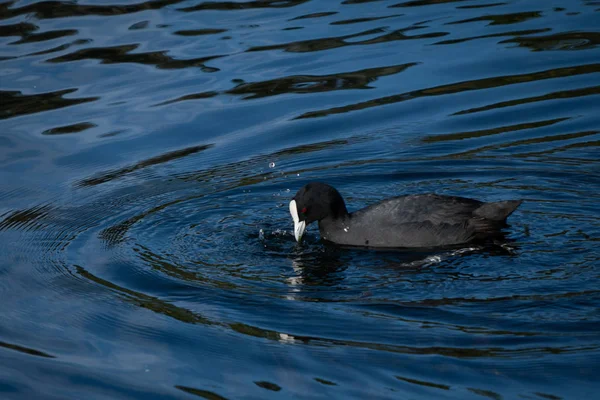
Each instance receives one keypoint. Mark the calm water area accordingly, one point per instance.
(149, 150)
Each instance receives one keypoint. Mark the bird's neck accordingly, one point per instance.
(331, 224)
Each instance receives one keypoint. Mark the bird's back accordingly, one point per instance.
(424, 220)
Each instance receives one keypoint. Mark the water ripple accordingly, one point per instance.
(63, 9)
(16, 103)
(480, 84)
(559, 41)
(342, 41)
(314, 84)
(150, 149)
(123, 54)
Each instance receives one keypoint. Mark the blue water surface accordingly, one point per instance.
(149, 150)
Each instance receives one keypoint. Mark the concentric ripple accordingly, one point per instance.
(149, 149)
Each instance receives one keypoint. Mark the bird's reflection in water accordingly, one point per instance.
(333, 266)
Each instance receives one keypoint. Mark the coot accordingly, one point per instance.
(422, 220)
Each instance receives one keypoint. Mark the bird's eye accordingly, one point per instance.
(304, 210)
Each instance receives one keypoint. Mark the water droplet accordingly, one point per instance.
(285, 338)
(272, 165)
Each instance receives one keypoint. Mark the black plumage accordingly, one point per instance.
(422, 220)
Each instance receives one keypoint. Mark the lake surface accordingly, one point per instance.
(148, 152)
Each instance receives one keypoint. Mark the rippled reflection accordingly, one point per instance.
(149, 151)
(62, 9)
(16, 103)
(561, 41)
(123, 54)
(314, 84)
(486, 83)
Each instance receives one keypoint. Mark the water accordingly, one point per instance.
(149, 150)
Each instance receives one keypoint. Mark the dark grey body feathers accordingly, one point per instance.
(425, 220)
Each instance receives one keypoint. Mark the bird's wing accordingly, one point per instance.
(422, 208)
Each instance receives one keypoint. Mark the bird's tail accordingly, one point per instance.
(497, 211)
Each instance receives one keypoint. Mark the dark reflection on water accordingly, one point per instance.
(314, 15)
(39, 37)
(341, 41)
(417, 3)
(123, 54)
(486, 83)
(205, 394)
(149, 150)
(195, 96)
(15, 103)
(200, 32)
(503, 19)
(588, 91)
(62, 9)
(111, 175)
(492, 35)
(492, 131)
(75, 128)
(561, 41)
(482, 5)
(62, 47)
(25, 30)
(314, 84)
(25, 350)
(242, 5)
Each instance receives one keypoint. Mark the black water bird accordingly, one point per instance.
(411, 221)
